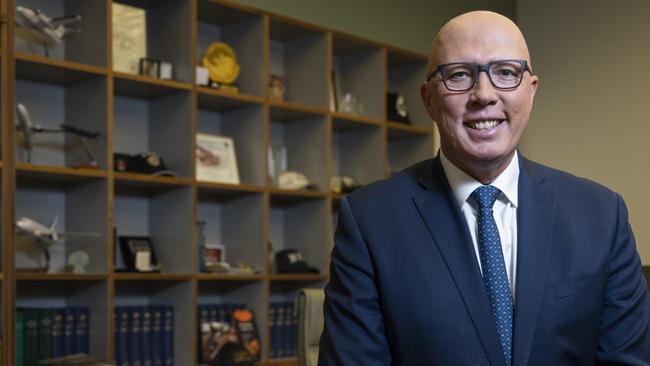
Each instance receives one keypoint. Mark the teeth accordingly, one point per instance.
(484, 125)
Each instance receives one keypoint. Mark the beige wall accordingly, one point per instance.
(592, 110)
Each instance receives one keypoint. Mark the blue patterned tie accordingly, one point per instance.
(494, 268)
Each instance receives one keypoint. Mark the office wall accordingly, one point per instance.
(592, 110)
(409, 24)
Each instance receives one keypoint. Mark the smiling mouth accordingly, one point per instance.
(484, 125)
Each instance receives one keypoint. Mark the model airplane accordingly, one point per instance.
(46, 236)
(49, 30)
(28, 129)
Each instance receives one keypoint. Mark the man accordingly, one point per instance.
(480, 256)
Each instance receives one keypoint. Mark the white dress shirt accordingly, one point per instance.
(504, 209)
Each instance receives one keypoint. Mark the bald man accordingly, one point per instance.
(480, 256)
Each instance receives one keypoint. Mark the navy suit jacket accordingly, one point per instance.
(406, 289)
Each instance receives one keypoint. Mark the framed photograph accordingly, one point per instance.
(149, 67)
(129, 37)
(215, 159)
(213, 256)
(277, 88)
(138, 254)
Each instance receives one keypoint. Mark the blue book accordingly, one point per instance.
(293, 331)
(157, 335)
(70, 330)
(122, 336)
(44, 333)
(168, 335)
(145, 337)
(202, 318)
(20, 338)
(273, 330)
(58, 341)
(83, 339)
(135, 328)
(280, 330)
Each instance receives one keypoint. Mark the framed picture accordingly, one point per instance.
(215, 159)
(213, 256)
(138, 254)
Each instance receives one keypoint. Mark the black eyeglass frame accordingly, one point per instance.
(480, 67)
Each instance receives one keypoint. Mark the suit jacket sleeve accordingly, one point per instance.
(625, 323)
(353, 333)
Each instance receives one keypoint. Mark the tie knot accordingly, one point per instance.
(485, 196)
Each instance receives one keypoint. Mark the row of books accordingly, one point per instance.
(144, 335)
(43, 333)
(283, 322)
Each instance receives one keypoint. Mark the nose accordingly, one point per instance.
(483, 93)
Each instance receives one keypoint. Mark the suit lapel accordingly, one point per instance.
(448, 228)
(535, 221)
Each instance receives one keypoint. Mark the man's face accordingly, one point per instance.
(464, 141)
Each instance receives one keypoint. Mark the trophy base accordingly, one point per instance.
(231, 88)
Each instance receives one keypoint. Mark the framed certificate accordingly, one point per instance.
(215, 159)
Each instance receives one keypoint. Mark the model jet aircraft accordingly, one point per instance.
(49, 30)
(28, 129)
(46, 236)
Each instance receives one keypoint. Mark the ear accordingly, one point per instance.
(534, 81)
(425, 95)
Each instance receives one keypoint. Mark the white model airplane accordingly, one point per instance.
(48, 235)
(49, 30)
(28, 128)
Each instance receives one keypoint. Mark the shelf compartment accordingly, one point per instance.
(298, 55)
(301, 225)
(148, 182)
(83, 104)
(80, 204)
(236, 222)
(408, 150)
(174, 293)
(243, 125)
(33, 172)
(169, 34)
(305, 141)
(146, 87)
(160, 125)
(93, 294)
(406, 72)
(88, 46)
(288, 111)
(153, 212)
(359, 152)
(216, 297)
(359, 68)
(342, 121)
(241, 30)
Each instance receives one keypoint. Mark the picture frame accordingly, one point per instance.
(138, 254)
(214, 255)
(215, 159)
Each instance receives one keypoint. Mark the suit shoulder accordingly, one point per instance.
(396, 187)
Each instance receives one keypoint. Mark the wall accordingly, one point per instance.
(591, 114)
(409, 24)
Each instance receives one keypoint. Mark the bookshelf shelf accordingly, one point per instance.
(134, 114)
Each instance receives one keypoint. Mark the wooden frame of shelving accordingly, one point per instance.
(135, 113)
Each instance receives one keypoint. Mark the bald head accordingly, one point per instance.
(487, 34)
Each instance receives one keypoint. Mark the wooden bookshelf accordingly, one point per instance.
(132, 113)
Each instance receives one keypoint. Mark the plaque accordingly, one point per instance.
(215, 159)
(138, 254)
(129, 37)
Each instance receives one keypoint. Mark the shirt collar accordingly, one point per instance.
(462, 185)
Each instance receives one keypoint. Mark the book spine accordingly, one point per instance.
(69, 331)
(273, 330)
(20, 338)
(30, 329)
(58, 341)
(136, 339)
(279, 343)
(44, 333)
(123, 341)
(82, 318)
(157, 335)
(145, 336)
(294, 330)
(202, 320)
(168, 335)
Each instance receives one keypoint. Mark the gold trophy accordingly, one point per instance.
(221, 62)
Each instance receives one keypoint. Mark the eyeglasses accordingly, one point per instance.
(461, 76)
